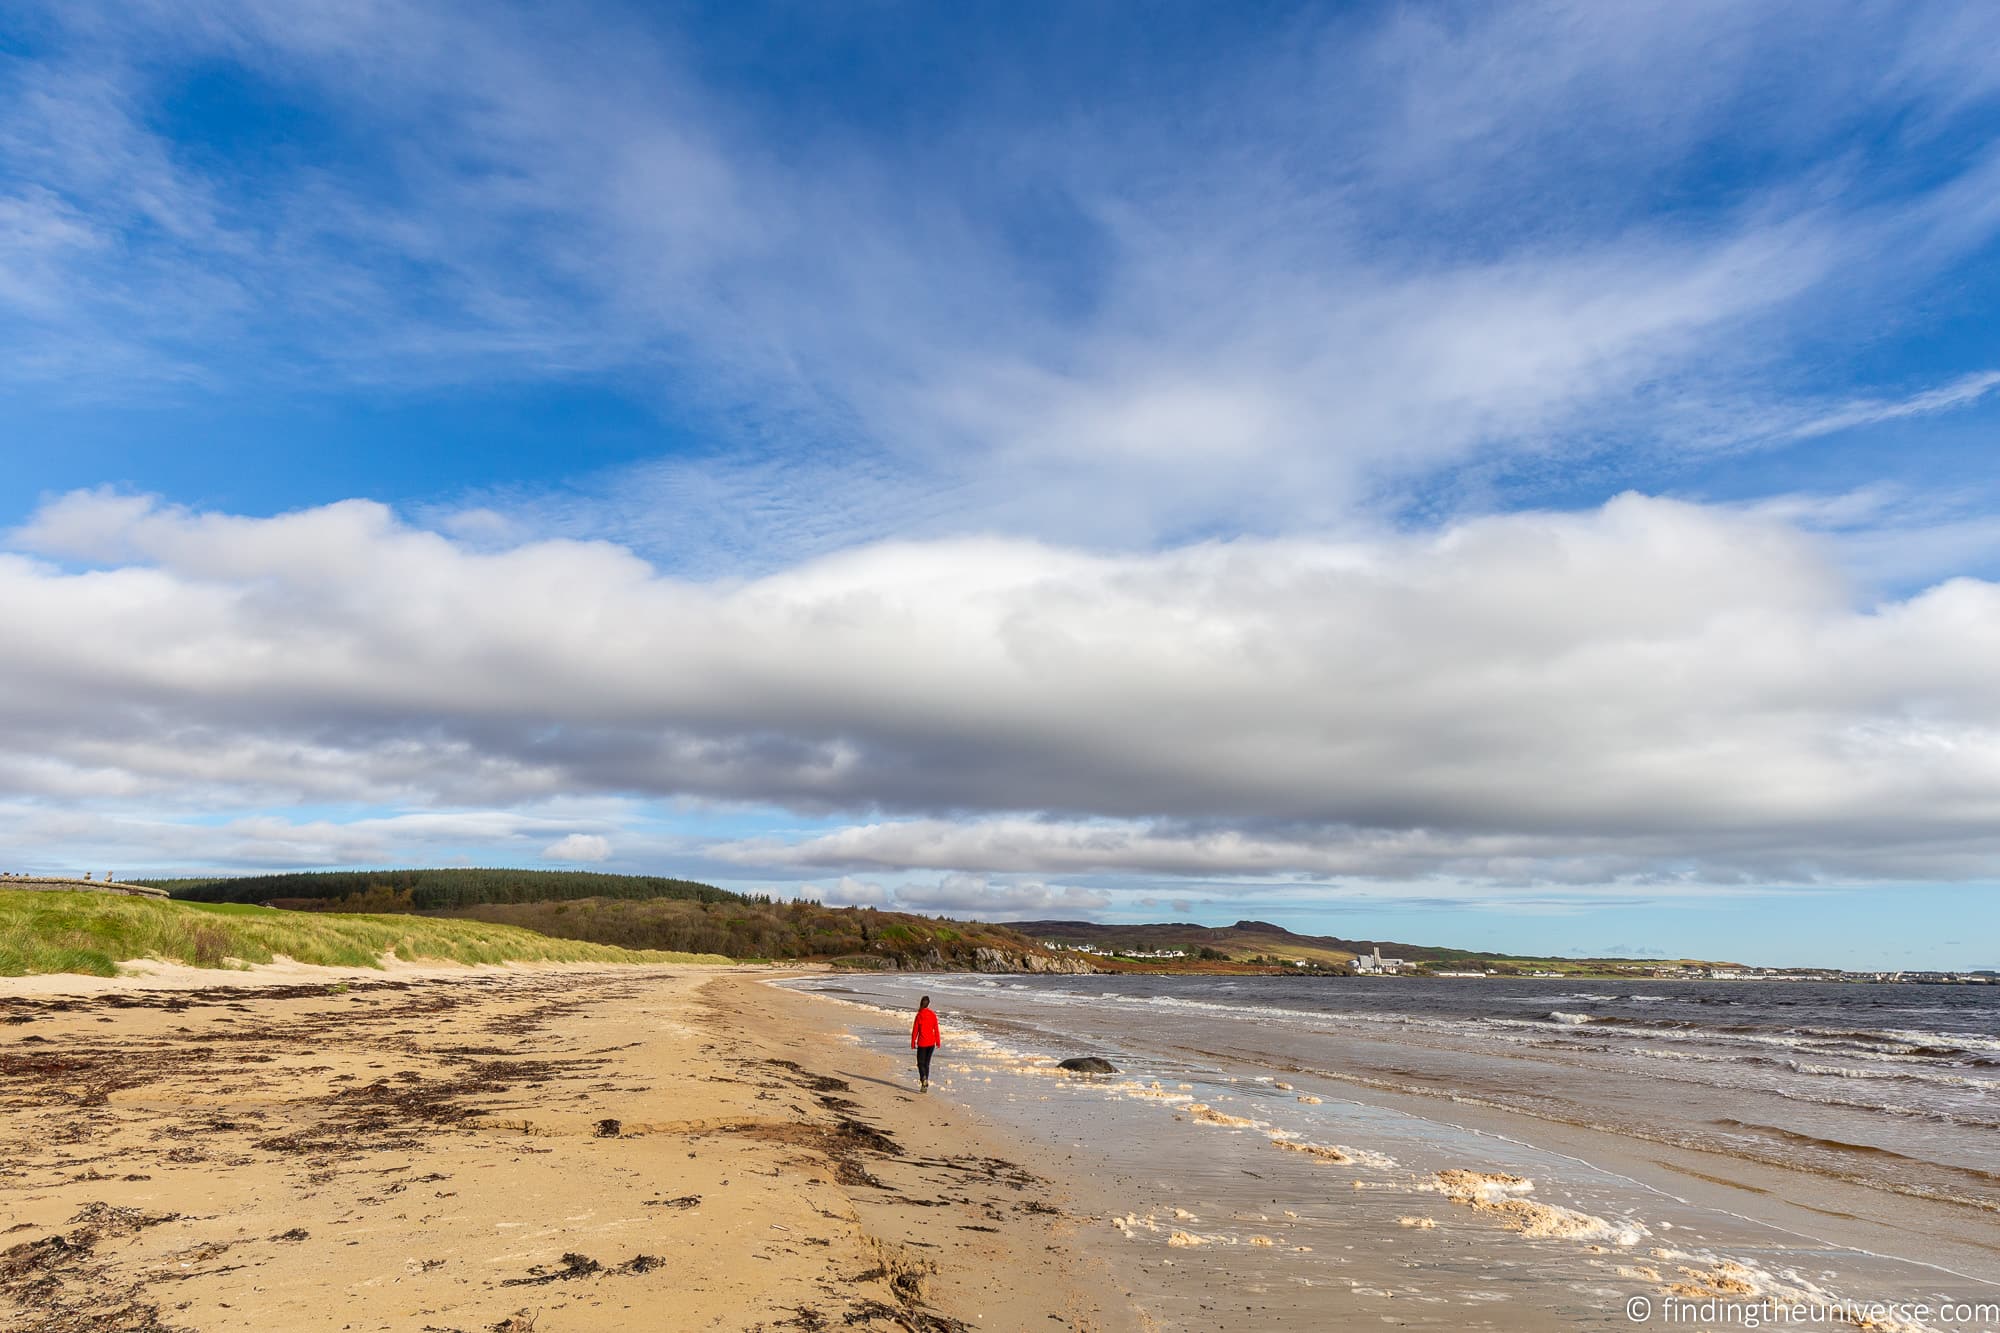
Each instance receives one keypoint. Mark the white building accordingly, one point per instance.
(1373, 961)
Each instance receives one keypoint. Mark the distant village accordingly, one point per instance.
(1096, 952)
(1373, 963)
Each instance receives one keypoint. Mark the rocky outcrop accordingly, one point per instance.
(986, 959)
(1001, 960)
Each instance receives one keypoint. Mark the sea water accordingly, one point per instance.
(1276, 1151)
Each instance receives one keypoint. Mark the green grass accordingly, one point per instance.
(93, 932)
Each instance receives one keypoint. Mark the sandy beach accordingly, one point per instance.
(549, 1149)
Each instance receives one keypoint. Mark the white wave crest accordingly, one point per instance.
(1917, 1075)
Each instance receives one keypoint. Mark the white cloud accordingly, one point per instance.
(149, 838)
(979, 896)
(982, 896)
(581, 847)
(849, 892)
(1652, 691)
(1002, 844)
(1893, 537)
(1298, 299)
(1961, 392)
(1360, 862)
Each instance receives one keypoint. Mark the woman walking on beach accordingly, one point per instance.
(924, 1040)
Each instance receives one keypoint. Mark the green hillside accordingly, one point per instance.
(745, 928)
(433, 889)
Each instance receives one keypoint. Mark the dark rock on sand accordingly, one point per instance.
(1088, 1064)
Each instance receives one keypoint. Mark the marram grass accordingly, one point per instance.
(93, 932)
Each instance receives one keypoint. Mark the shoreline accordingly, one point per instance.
(557, 1148)
(1419, 1185)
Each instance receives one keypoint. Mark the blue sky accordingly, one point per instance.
(1518, 477)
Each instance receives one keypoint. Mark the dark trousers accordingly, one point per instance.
(924, 1054)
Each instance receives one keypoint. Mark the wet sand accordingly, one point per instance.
(521, 1149)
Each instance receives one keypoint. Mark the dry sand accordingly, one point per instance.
(548, 1149)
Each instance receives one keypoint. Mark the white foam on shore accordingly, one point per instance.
(1208, 1115)
(1321, 1152)
(1499, 1196)
(1706, 1276)
(1338, 1154)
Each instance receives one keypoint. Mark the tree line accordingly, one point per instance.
(434, 889)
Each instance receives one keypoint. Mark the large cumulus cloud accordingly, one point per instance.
(1652, 687)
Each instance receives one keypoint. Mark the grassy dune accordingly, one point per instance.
(93, 932)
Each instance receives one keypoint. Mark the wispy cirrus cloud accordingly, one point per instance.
(1299, 303)
(1961, 392)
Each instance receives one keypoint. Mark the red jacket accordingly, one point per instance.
(924, 1031)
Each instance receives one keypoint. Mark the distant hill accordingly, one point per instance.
(1247, 941)
(430, 890)
(1244, 940)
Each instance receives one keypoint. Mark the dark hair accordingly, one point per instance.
(924, 1003)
